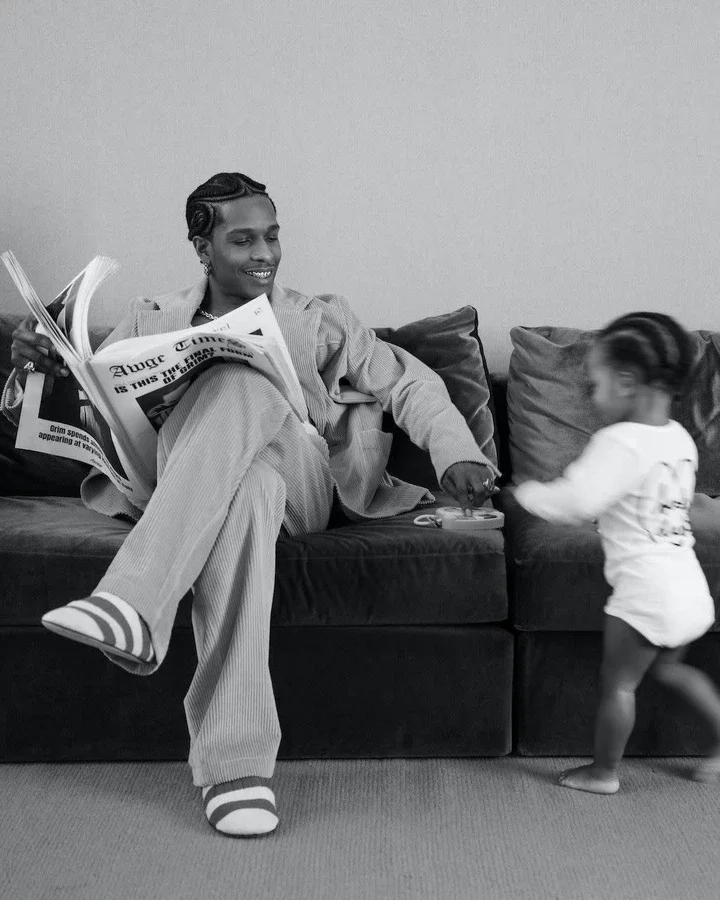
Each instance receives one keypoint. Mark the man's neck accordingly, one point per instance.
(219, 303)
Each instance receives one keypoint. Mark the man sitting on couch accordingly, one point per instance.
(235, 466)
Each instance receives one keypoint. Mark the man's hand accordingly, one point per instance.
(470, 483)
(30, 347)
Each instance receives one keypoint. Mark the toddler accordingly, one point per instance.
(637, 477)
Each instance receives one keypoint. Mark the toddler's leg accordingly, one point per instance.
(627, 656)
(701, 693)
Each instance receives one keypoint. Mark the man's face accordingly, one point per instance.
(244, 249)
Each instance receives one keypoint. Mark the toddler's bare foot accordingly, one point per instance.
(709, 769)
(588, 778)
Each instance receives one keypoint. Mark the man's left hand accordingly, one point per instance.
(469, 483)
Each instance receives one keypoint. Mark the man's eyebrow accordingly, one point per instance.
(252, 230)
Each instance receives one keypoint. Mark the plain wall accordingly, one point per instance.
(548, 162)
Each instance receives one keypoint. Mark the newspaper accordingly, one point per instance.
(109, 414)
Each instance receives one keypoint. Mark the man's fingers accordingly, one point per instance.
(42, 361)
(23, 353)
(26, 333)
(31, 341)
(461, 491)
(29, 347)
(476, 492)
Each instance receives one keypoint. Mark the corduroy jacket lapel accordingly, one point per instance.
(300, 322)
(174, 311)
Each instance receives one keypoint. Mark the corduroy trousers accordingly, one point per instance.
(235, 466)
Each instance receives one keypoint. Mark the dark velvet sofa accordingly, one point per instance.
(387, 639)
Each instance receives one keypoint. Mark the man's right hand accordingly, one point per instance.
(29, 346)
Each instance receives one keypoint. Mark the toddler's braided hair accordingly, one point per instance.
(202, 211)
(654, 345)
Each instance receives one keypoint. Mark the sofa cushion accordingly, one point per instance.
(450, 345)
(551, 420)
(555, 571)
(387, 572)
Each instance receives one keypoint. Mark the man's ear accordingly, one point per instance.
(201, 245)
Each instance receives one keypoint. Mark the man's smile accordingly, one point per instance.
(260, 274)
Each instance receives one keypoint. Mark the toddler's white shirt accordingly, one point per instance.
(639, 481)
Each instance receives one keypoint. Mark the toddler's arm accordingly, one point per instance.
(605, 472)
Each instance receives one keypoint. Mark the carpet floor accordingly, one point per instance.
(363, 830)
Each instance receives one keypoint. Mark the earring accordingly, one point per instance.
(207, 268)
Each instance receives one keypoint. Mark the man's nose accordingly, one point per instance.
(262, 251)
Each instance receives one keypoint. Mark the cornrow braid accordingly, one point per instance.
(652, 343)
(202, 211)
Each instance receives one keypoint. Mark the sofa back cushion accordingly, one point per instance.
(450, 345)
(551, 419)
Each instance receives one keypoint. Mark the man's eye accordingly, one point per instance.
(241, 243)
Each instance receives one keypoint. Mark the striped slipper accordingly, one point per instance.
(244, 807)
(105, 622)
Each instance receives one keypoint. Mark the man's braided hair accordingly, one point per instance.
(202, 209)
(656, 346)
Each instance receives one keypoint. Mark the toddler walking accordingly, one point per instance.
(637, 477)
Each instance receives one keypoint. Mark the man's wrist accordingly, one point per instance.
(476, 462)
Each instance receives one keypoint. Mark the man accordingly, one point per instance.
(235, 466)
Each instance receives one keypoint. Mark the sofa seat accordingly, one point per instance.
(557, 594)
(55, 550)
(421, 665)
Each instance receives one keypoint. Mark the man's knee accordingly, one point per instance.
(234, 379)
(221, 397)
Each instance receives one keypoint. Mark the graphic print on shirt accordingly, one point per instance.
(664, 501)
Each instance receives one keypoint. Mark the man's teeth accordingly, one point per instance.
(259, 273)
